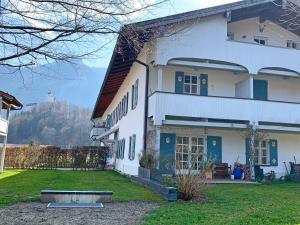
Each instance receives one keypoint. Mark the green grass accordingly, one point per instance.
(26, 185)
(278, 203)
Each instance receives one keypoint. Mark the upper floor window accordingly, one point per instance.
(261, 40)
(261, 154)
(291, 44)
(134, 96)
(230, 36)
(191, 84)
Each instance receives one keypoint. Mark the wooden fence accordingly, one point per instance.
(49, 157)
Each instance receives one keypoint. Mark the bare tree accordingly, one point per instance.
(253, 135)
(35, 31)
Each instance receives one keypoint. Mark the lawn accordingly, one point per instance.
(26, 185)
(278, 203)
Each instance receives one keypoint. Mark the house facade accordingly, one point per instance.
(197, 84)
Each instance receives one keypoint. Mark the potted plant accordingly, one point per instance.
(148, 162)
(207, 169)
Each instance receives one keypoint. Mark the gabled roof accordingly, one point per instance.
(124, 56)
(8, 99)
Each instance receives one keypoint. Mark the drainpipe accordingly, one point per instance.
(146, 104)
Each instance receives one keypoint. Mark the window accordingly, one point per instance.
(191, 84)
(126, 103)
(261, 154)
(260, 40)
(189, 152)
(230, 36)
(131, 152)
(120, 149)
(134, 97)
(291, 44)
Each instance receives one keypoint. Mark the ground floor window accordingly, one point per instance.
(189, 152)
(261, 154)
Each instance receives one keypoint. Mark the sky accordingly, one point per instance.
(169, 8)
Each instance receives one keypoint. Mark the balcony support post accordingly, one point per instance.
(157, 143)
(251, 85)
(159, 78)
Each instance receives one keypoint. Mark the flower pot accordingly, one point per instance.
(208, 175)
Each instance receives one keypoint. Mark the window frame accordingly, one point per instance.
(189, 152)
(191, 84)
(131, 150)
(258, 153)
(260, 38)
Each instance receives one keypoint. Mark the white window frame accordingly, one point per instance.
(190, 84)
(186, 164)
(258, 154)
(260, 38)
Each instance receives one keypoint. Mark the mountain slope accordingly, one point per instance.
(51, 123)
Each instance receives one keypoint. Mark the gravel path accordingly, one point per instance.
(38, 214)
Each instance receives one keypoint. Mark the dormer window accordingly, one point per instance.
(230, 36)
(260, 40)
(291, 44)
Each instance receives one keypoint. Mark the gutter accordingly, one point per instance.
(146, 104)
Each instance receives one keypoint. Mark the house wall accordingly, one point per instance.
(220, 83)
(234, 147)
(245, 31)
(207, 39)
(133, 122)
(282, 89)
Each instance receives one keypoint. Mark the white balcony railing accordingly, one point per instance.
(97, 131)
(3, 126)
(162, 104)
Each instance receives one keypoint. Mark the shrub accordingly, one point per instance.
(148, 159)
(190, 186)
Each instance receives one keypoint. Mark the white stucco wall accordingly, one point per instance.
(245, 31)
(233, 145)
(133, 122)
(220, 83)
(282, 89)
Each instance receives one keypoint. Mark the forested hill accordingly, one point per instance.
(51, 123)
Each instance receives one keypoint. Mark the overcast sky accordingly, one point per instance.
(169, 8)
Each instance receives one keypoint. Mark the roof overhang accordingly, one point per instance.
(124, 55)
(9, 100)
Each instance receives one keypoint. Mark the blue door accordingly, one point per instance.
(167, 153)
(260, 89)
(214, 148)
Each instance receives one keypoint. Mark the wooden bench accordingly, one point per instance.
(221, 170)
(54, 196)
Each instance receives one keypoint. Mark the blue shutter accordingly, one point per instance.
(260, 89)
(247, 141)
(129, 149)
(133, 147)
(179, 77)
(214, 148)
(167, 153)
(203, 84)
(273, 147)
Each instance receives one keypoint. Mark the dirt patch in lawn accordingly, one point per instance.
(112, 213)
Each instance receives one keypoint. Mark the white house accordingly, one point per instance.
(197, 81)
(7, 103)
